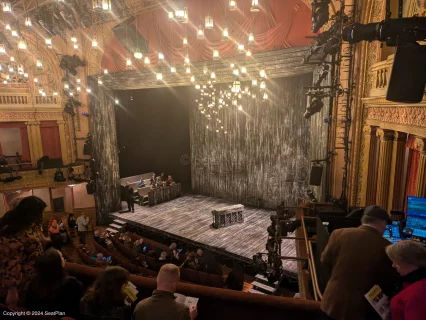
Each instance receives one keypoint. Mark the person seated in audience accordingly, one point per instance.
(235, 279)
(102, 240)
(141, 183)
(105, 298)
(62, 231)
(210, 265)
(137, 246)
(163, 256)
(128, 242)
(173, 253)
(109, 245)
(71, 221)
(152, 180)
(96, 234)
(170, 181)
(409, 259)
(55, 235)
(162, 305)
(191, 261)
(52, 289)
(121, 238)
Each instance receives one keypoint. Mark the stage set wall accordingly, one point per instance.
(264, 155)
(153, 132)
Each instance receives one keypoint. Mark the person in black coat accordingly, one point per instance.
(129, 197)
(52, 289)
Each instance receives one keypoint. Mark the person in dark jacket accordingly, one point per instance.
(52, 289)
(130, 197)
(235, 279)
(409, 259)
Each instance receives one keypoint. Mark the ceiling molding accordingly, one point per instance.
(278, 63)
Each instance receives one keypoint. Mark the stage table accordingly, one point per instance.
(228, 216)
(164, 194)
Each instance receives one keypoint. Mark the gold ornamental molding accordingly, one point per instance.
(409, 116)
(9, 116)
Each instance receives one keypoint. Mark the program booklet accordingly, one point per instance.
(188, 301)
(131, 293)
(379, 301)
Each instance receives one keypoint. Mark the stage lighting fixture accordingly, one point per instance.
(314, 107)
(320, 14)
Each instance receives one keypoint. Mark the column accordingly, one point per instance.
(63, 139)
(397, 186)
(421, 173)
(368, 191)
(384, 168)
(34, 139)
(104, 151)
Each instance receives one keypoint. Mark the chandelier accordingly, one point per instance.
(254, 6)
(7, 6)
(181, 15)
(208, 22)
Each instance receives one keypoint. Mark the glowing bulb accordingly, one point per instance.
(188, 70)
(28, 22)
(159, 76)
(186, 59)
(254, 6)
(254, 83)
(243, 69)
(20, 69)
(197, 86)
(22, 45)
(161, 57)
(14, 33)
(78, 89)
(55, 93)
(128, 63)
(240, 48)
(251, 38)
(240, 108)
(215, 54)
(213, 75)
(75, 46)
(208, 22)
(232, 65)
(5, 82)
(105, 71)
(225, 34)
(88, 90)
(200, 33)
(78, 80)
(262, 73)
(73, 39)
(173, 69)
(248, 52)
(35, 80)
(66, 86)
(94, 43)
(192, 79)
(170, 14)
(40, 91)
(71, 94)
(48, 42)
(138, 55)
(265, 96)
(116, 101)
(146, 60)
(236, 72)
(262, 85)
(8, 27)
(2, 49)
(26, 75)
(185, 41)
(100, 81)
(39, 64)
(232, 5)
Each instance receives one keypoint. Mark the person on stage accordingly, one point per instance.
(141, 183)
(152, 180)
(129, 198)
(170, 181)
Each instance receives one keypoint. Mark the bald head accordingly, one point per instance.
(168, 278)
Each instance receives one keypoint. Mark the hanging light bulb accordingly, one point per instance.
(94, 43)
(159, 76)
(5, 82)
(48, 42)
(7, 77)
(232, 5)
(225, 34)
(197, 86)
(105, 71)
(88, 90)
(116, 101)
(265, 96)
(39, 64)
(11, 70)
(20, 69)
(254, 6)
(181, 15)
(240, 108)
(2, 49)
(205, 69)
(192, 79)
(188, 70)
(254, 83)
(146, 61)
(66, 86)
(262, 85)
(248, 52)
(208, 22)
(173, 69)
(185, 41)
(262, 73)
(236, 86)
(243, 69)
(251, 38)
(35, 80)
(100, 81)
(170, 14)
(14, 33)
(78, 80)
(78, 89)
(8, 27)
(236, 72)
(7, 6)
(26, 75)
(106, 5)
(75, 46)
(74, 39)
(28, 22)
(216, 54)
(186, 60)
(55, 93)
(253, 96)
(160, 57)
(128, 63)
(213, 75)
(240, 48)
(138, 54)
(200, 33)
(22, 45)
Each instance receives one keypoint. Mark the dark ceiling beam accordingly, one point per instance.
(278, 63)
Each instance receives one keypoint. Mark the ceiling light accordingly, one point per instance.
(8, 27)
(116, 101)
(78, 80)
(20, 69)
(262, 85)
(78, 89)
(159, 76)
(74, 39)
(128, 63)
(94, 43)
(225, 34)
(7, 6)
(197, 86)
(100, 81)
(213, 75)
(71, 94)
(265, 96)
(26, 75)
(105, 71)
(236, 86)
(185, 41)
(160, 57)
(48, 42)
(200, 33)
(216, 54)
(248, 52)
(5, 82)
(11, 70)
(253, 96)
(254, 83)
(146, 60)
(240, 48)
(35, 80)
(39, 64)
(55, 93)
(28, 22)
(170, 15)
(66, 86)
(14, 33)
(243, 69)
(208, 22)
(7, 77)
(88, 90)
(192, 79)
(2, 49)
(22, 45)
(181, 15)
(240, 108)
(251, 38)
(106, 5)
(138, 54)
(75, 46)
(232, 5)
(173, 69)
(186, 59)
(236, 72)
(254, 6)
(188, 70)
(262, 73)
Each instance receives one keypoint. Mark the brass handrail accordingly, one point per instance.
(307, 249)
(314, 276)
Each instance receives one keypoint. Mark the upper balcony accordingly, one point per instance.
(19, 98)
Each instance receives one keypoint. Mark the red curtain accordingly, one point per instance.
(50, 140)
(280, 24)
(413, 165)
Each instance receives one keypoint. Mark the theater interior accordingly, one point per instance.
(268, 124)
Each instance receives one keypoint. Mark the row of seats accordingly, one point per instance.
(85, 256)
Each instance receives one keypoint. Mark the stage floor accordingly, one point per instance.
(190, 218)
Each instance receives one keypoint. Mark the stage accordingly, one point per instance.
(189, 219)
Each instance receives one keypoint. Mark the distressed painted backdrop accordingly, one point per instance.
(265, 153)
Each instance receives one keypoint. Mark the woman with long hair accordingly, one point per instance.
(21, 243)
(105, 298)
(52, 289)
(409, 259)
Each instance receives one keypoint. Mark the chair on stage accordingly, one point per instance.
(143, 195)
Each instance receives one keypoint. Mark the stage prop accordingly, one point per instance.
(228, 216)
(160, 195)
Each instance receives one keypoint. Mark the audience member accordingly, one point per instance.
(210, 265)
(52, 289)
(130, 198)
(62, 231)
(71, 221)
(152, 180)
(21, 243)
(106, 297)
(409, 259)
(55, 235)
(235, 279)
(82, 223)
(162, 305)
(191, 261)
(163, 256)
(356, 260)
(137, 246)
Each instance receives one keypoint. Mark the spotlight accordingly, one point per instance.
(314, 107)
(320, 14)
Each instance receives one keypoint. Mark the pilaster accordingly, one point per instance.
(421, 171)
(384, 168)
(34, 139)
(63, 139)
(369, 166)
(396, 187)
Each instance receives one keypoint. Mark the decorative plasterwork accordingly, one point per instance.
(27, 116)
(412, 116)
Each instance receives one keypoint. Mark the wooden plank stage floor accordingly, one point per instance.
(189, 219)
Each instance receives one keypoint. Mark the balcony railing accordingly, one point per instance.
(28, 100)
(21, 99)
